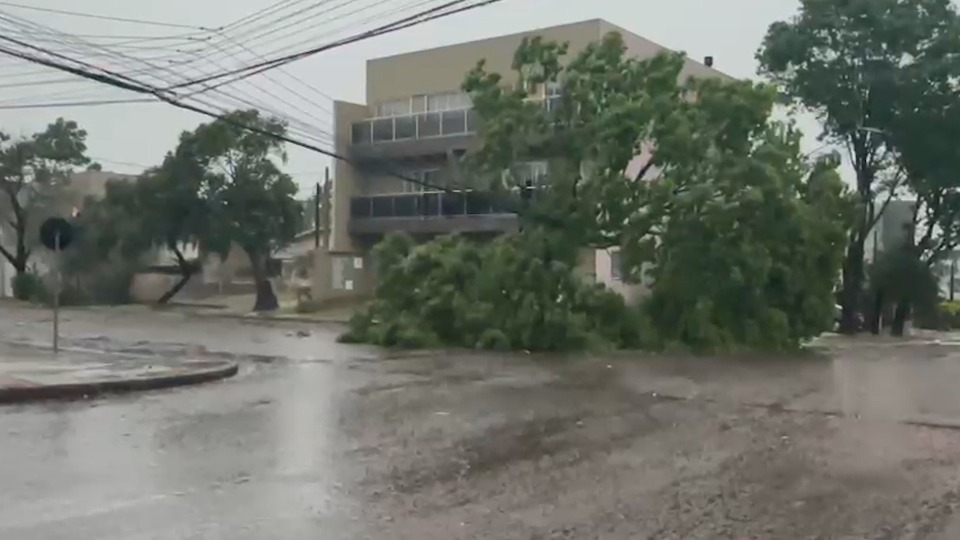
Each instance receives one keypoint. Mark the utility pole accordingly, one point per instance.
(316, 216)
(326, 204)
(953, 275)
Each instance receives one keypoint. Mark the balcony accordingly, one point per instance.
(414, 134)
(430, 213)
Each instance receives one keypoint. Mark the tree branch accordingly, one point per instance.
(645, 169)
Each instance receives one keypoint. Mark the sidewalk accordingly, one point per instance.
(238, 307)
(30, 373)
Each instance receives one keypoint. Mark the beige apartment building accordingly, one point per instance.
(417, 123)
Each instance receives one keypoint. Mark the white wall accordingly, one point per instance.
(632, 293)
(6, 274)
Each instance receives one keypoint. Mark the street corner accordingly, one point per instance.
(29, 374)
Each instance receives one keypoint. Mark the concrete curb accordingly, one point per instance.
(68, 391)
(265, 318)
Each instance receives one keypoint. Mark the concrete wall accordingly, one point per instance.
(443, 69)
(147, 288)
(346, 179)
(632, 293)
(6, 275)
(342, 276)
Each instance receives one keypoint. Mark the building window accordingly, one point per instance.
(400, 107)
(427, 180)
(449, 101)
(554, 93)
(618, 270)
(534, 171)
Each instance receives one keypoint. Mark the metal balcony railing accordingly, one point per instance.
(415, 126)
(427, 205)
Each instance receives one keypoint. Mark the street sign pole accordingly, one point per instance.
(56, 293)
(56, 234)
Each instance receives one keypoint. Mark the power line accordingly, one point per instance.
(52, 105)
(306, 129)
(242, 21)
(115, 162)
(297, 17)
(264, 21)
(420, 18)
(138, 87)
(119, 81)
(103, 17)
(40, 82)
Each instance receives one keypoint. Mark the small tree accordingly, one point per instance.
(249, 200)
(161, 210)
(31, 169)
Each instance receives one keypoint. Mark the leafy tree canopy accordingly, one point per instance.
(250, 201)
(847, 61)
(739, 236)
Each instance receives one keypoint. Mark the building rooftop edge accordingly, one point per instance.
(599, 22)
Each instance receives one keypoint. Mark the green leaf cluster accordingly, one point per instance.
(737, 235)
(510, 293)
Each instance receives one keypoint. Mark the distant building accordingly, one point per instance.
(893, 229)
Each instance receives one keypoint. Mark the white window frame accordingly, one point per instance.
(448, 101)
(391, 109)
(423, 104)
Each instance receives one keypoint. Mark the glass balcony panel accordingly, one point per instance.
(406, 206)
(454, 122)
(383, 130)
(430, 204)
(479, 204)
(429, 125)
(453, 204)
(382, 207)
(406, 127)
(360, 207)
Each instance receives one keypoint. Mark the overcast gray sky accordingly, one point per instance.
(125, 136)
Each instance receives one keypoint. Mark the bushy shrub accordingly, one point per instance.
(27, 286)
(516, 292)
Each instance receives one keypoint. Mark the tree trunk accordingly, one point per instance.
(900, 316)
(876, 315)
(184, 279)
(186, 272)
(266, 299)
(19, 292)
(852, 285)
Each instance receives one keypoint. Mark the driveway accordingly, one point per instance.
(319, 440)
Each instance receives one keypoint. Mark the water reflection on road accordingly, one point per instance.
(319, 440)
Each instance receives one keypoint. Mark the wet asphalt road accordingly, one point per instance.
(319, 440)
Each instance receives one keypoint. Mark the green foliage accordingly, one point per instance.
(925, 130)
(867, 69)
(741, 237)
(744, 238)
(511, 293)
(947, 317)
(248, 199)
(27, 286)
(904, 276)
